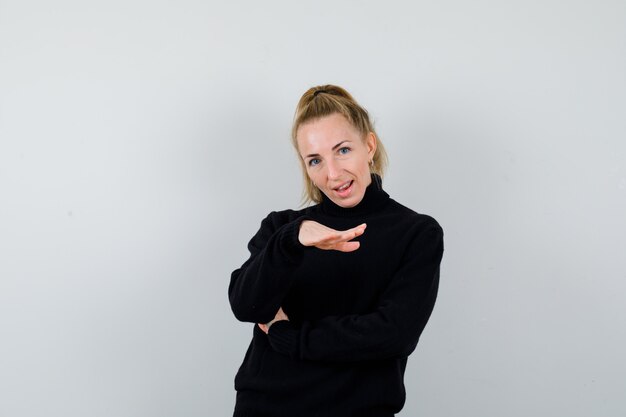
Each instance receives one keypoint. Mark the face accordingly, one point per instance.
(336, 157)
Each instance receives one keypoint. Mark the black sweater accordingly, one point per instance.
(353, 317)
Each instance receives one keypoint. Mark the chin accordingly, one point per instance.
(348, 202)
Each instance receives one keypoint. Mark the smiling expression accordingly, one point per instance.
(336, 157)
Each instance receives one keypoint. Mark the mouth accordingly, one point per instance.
(344, 189)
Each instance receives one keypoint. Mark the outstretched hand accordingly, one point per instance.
(315, 234)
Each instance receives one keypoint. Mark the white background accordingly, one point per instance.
(142, 142)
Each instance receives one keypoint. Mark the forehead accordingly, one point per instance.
(322, 134)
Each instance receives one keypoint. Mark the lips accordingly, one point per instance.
(344, 189)
(344, 186)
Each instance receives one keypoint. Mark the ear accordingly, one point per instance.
(370, 143)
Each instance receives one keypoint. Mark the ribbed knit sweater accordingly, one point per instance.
(354, 317)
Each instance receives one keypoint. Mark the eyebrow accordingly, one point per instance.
(334, 147)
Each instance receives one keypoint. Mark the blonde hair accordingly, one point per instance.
(325, 100)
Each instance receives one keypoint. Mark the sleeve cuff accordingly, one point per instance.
(290, 243)
(283, 337)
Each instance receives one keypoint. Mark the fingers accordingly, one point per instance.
(347, 246)
(315, 234)
(346, 235)
(355, 231)
(342, 240)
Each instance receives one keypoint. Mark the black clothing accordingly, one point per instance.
(354, 317)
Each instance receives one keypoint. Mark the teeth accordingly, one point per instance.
(343, 187)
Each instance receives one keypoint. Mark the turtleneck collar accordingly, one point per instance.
(375, 197)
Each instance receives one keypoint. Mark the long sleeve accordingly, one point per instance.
(391, 330)
(258, 287)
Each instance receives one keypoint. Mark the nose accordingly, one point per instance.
(333, 170)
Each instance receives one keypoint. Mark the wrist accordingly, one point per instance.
(274, 321)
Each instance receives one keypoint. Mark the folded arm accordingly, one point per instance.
(391, 330)
(259, 286)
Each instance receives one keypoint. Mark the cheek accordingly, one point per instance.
(312, 173)
(362, 166)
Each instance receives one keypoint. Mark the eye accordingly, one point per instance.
(344, 150)
(314, 161)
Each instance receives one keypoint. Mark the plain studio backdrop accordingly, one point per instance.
(142, 142)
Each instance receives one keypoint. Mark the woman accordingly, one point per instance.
(340, 290)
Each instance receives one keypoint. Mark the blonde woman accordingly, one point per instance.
(341, 290)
